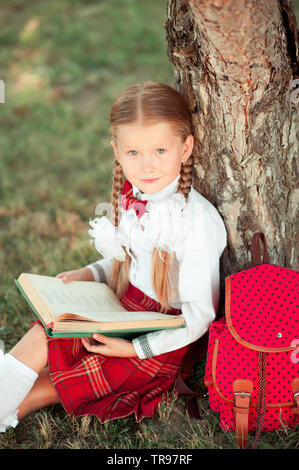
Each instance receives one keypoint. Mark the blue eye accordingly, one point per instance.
(163, 150)
(132, 151)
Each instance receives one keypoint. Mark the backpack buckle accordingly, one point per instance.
(295, 387)
(242, 395)
(242, 400)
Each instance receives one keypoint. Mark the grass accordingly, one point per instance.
(63, 62)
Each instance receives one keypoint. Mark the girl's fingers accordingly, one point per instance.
(86, 343)
(63, 276)
(100, 337)
(67, 276)
(108, 346)
(92, 347)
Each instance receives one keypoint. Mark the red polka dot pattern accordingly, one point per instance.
(263, 313)
(263, 305)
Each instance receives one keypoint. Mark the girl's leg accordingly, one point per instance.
(32, 349)
(42, 394)
(20, 369)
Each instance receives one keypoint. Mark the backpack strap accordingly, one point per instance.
(256, 250)
(261, 399)
(190, 396)
(242, 397)
(196, 351)
(295, 387)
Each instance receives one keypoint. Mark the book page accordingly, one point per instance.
(78, 297)
(125, 324)
(126, 316)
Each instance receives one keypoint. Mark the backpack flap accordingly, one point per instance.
(260, 307)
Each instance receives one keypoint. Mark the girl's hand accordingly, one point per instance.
(83, 274)
(109, 346)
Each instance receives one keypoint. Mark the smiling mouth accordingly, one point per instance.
(151, 180)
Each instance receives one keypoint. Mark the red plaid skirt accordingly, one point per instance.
(113, 387)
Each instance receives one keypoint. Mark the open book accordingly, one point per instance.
(81, 308)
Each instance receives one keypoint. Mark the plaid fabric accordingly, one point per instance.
(113, 387)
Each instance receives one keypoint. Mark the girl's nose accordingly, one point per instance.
(147, 163)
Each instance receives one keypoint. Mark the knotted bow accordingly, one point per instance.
(129, 201)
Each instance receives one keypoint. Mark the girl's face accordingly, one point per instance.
(151, 152)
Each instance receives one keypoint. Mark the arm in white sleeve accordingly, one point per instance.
(198, 288)
(101, 269)
(197, 323)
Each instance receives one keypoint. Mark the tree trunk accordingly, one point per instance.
(236, 62)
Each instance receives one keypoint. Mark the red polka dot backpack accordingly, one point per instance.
(252, 370)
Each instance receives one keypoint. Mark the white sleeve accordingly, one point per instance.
(198, 289)
(101, 269)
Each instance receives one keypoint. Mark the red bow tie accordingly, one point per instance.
(129, 201)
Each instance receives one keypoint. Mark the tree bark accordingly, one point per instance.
(236, 62)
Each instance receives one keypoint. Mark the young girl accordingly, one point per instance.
(163, 256)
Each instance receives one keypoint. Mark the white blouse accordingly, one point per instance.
(194, 270)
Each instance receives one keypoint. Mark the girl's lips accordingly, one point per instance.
(150, 181)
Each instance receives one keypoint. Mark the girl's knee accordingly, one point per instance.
(32, 349)
(38, 334)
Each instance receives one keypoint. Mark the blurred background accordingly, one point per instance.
(63, 62)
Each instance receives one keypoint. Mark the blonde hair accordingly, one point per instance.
(150, 102)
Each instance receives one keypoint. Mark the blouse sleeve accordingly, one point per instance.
(198, 289)
(101, 269)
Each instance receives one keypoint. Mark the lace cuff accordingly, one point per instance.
(142, 347)
(97, 271)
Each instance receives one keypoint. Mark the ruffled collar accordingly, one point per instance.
(168, 221)
(170, 189)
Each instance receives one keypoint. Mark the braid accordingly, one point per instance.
(116, 189)
(185, 180)
(160, 267)
(119, 276)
